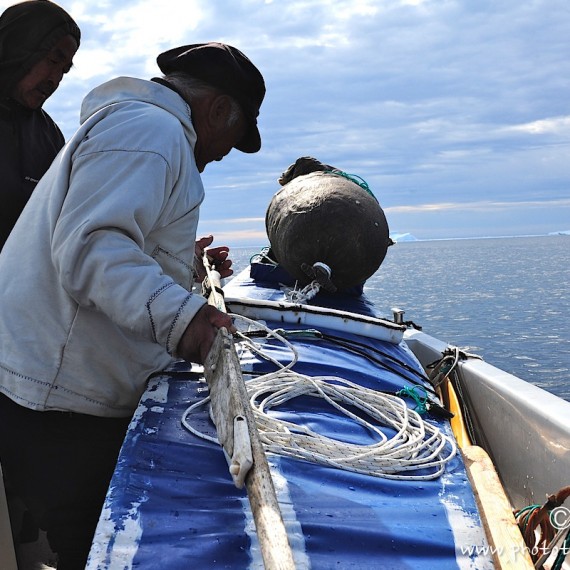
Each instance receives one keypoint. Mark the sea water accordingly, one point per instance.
(505, 299)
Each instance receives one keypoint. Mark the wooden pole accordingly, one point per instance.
(230, 410)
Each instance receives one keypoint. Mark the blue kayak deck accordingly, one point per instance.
(172, 502)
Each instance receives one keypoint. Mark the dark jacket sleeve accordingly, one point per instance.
(29, 141)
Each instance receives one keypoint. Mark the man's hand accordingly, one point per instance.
(200, 333)
(219, 256)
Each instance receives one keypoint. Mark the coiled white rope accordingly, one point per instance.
(417, 450)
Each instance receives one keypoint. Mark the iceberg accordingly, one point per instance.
(403, 237)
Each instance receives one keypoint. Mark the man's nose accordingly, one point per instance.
(55, 78)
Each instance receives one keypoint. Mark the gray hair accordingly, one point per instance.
(192, 88)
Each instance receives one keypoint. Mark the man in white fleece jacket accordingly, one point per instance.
(97, 275)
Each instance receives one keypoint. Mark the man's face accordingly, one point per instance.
(44, 78)
(216, 139)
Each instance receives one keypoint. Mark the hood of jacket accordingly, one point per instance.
(129, 89)
(28, 31)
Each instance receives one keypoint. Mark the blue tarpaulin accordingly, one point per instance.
(172, 502)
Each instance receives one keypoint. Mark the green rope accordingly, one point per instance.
(524, 515)
(421, 401)
(528, 510)
(561, 556)
(353, 178)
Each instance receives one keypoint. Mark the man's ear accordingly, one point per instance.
(220, 110)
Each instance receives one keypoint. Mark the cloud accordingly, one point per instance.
(553, 125)
(484, 206)
(430, 102)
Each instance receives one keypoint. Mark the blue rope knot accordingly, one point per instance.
(420, 400)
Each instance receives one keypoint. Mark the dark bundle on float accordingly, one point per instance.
(324, 224)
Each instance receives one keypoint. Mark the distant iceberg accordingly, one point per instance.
(403, 237)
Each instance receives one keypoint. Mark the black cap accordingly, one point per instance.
(228, 69)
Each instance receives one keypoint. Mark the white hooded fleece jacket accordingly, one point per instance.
(95, 279)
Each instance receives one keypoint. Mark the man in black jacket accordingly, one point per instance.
(38, 40)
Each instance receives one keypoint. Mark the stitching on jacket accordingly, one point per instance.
(24, 377)
(15, 397)
(159, 249)
(141, 150)
(19, 398)
(174, 321)
(91, 400)
(156, 294)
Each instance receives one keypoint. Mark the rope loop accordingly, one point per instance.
(404, 446)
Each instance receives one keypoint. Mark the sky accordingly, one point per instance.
(456, 113)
